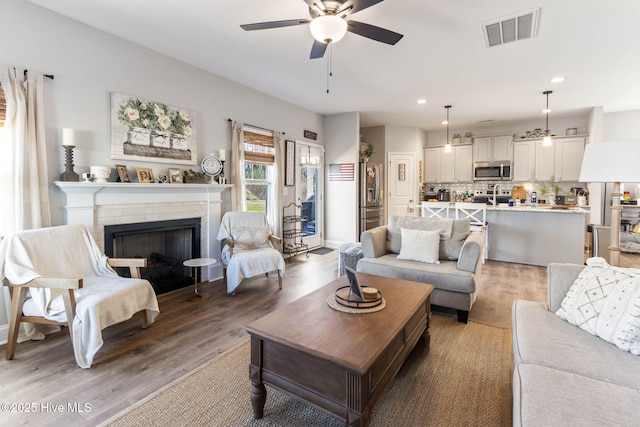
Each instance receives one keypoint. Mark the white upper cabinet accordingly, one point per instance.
(463, 163)
(432, 164)
(441, 167)
(492, 148)
(568, 162)
(534, 162)
(545, 162)
(524, 160)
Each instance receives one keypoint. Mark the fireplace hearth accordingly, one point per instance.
(165, 244)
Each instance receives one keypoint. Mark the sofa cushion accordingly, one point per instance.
(548, 397)
(420, 245)
(453, 233)
(540, 337)
(445, 275)
(605, 301)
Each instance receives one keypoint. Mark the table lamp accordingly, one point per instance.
(616, 162)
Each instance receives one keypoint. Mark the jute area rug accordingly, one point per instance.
(463, 380)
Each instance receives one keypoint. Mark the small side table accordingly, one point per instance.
(195, 263)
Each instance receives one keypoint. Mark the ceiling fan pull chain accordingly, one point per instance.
(329, 65)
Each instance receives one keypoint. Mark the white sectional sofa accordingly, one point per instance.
(564, 375)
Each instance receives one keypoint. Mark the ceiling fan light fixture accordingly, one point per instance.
(328, 28)
(447, 146)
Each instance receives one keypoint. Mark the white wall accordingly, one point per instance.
(342, 136)
(623, 125)
(88, 64)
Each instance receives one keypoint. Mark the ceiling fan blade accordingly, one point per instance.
(373, 32)
(318, 49)
(357, 5)
(274, 24)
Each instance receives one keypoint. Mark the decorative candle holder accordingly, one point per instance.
(221, 178)
(69, 174)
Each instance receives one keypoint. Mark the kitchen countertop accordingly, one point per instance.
(540, 208)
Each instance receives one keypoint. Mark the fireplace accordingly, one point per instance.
(165, 245)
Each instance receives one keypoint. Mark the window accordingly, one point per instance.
(259, 157)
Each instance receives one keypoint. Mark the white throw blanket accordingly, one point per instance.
(253, 253)
(71, 252)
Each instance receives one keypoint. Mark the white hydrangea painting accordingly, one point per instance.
(151, 131)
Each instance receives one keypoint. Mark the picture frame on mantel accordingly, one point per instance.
(145, 175)
(290, 161)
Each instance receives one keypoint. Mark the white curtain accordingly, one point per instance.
(237, 166)
(275, 215)
(23, 164)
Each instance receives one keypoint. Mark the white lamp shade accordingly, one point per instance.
(614, 161)
(328, 28)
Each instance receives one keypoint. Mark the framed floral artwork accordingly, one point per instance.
(151, 131)
(145, 175)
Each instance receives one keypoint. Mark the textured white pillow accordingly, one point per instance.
(605, 301)
(420, 245)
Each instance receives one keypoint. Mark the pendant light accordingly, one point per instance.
(447, 147)
(546, 142)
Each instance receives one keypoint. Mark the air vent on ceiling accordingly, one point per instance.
(521, 26)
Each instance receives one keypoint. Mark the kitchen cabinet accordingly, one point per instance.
(524, 160)
(545, 162)
(441, 167)
(534, 162)
(568, 161)
(492, 148)
(463, 163)
(432, 164)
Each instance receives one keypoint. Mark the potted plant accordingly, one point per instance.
(193, 177)
(366, 151)
(550, 190)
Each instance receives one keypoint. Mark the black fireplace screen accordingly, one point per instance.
(165, 244)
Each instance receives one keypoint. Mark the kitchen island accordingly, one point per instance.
(536, 235)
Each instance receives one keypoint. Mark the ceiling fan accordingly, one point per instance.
(328, 24)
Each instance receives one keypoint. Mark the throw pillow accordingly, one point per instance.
(605, 301)
(420, 245)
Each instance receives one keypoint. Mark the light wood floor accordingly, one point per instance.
(134, 362)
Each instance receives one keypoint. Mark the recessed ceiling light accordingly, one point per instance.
(422, 101)
(557, 79)
(445, 122)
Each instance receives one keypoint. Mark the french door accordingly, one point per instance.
(310, 191)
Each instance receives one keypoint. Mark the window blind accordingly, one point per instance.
(3, 107)
(258, 148)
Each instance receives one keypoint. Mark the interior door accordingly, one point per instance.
(402, 184)
(310, 191)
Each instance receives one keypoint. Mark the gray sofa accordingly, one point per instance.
(456, 276)
(563, 375)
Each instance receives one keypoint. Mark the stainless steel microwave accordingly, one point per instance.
(492, 171)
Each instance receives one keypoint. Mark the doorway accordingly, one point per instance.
(401, 182)
(310, 191)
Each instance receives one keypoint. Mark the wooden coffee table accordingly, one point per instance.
(338, 362)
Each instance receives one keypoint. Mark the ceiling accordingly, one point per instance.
(442, 57)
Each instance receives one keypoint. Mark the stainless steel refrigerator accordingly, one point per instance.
(371, 195)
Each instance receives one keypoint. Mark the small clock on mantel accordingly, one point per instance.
(212, 166)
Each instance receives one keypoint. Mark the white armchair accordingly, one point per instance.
(58, 275)
(248, 248)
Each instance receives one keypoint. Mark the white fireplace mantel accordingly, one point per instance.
(98, 204)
